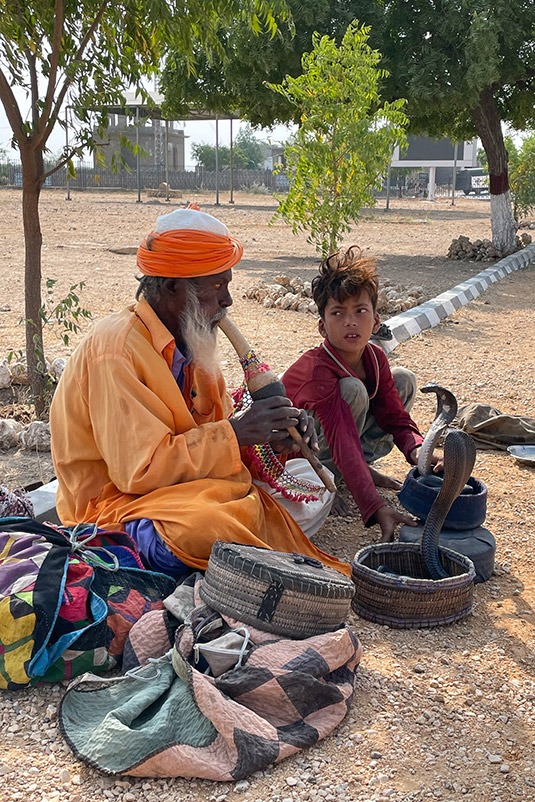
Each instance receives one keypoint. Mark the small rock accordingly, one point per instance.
(10, 431)
(36, 436)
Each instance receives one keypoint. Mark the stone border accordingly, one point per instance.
(429, 314)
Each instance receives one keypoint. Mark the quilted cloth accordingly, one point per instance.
(168, 719)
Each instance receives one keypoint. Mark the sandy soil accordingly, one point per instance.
(443, 714)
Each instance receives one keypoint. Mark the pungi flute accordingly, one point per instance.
(263, 383)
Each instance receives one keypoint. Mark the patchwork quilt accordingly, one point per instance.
(167, 718)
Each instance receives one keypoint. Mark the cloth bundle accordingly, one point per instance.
(15, 503)
(490, 428)
(167, 718)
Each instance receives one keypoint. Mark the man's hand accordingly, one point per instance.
(388, 519)
(268, 420)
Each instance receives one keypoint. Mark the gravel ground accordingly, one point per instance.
(446, 713)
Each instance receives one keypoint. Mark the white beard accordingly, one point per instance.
(200, 335)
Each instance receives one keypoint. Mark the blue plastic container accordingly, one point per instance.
(468, 511)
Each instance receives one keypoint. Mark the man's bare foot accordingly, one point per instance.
(341, 508)
(382, 480)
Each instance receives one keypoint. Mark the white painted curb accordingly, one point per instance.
(429, 314)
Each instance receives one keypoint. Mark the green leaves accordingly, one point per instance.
(345, 139)
(232, 78)
(247, 153)
(66, 315)
(522, 176)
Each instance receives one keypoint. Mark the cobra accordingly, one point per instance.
(459, 459)
(446, 412)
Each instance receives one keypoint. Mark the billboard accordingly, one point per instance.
(425, 152)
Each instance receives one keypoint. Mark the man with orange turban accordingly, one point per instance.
(144, 435)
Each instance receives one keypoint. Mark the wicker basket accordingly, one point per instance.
(287, 594)
(410, 600)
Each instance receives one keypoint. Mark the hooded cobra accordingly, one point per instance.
(459, 459)
(446, 411)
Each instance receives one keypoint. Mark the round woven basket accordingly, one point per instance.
(410, 600)
(287, 594)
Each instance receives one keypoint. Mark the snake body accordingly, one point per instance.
(459, 459)
(446, 411)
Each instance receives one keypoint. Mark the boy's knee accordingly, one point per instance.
(405, 381)
(354, 393)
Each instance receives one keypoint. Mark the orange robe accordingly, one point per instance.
(127, 443)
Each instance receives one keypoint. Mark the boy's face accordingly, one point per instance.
(349, 324)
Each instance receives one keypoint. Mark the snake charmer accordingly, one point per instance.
(145, 438)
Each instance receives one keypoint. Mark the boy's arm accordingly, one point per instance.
(344, 442)
(390, 414)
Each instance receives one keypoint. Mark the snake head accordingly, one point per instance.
(431, 387)
(446, 401)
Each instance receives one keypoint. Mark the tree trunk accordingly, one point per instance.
(488, 126)
(32, 181)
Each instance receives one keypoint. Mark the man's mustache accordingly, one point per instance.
(217, 317)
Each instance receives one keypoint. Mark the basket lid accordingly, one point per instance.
(292, 569)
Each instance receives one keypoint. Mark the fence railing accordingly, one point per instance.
(91, 177)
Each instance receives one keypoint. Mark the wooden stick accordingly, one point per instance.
(266, 383)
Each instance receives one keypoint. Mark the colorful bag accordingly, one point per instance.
(68, 598)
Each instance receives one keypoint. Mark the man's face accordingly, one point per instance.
(197, 303)
(213, 295)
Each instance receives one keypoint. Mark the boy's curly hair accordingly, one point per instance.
(343, 274)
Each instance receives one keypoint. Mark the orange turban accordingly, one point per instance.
(187, 253)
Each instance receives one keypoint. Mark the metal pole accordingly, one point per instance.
(68, 196)
(138, 161)
(166, 161)
(388, 188)
(432, 182)
(231, 199)
(217, 160)
(454, 181)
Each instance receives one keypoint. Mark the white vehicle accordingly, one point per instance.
(473, 179)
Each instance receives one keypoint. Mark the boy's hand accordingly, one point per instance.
(388, 519)
(436, 460)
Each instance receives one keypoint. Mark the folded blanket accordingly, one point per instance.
(490, 428)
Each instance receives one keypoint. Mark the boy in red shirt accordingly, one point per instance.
(360, 404)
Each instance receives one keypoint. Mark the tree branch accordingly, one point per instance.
(62, 162)
(11, 107)
(54, 59)
(54, 113)
(34, 88)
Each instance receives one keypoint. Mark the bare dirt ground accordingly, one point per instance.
(445, 714)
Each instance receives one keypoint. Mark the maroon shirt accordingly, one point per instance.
(313, 384)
